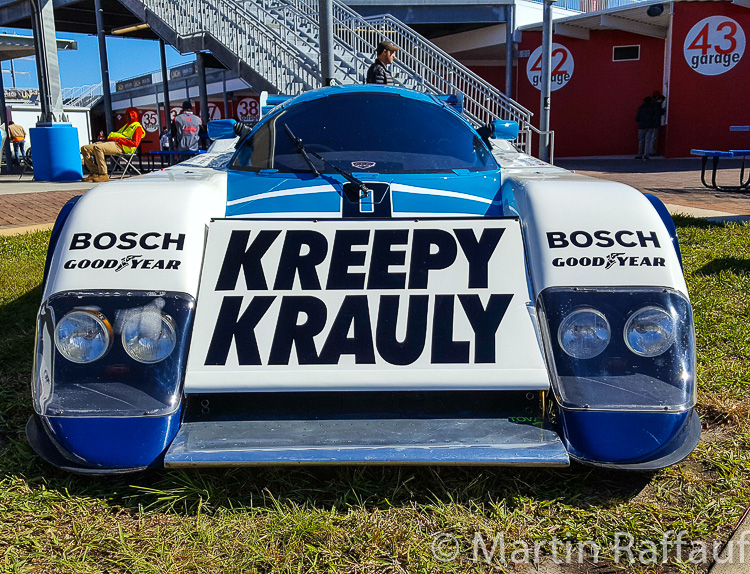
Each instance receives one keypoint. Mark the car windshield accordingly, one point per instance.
(375, 132)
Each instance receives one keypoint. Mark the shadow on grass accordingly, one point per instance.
(682, 221)
(733, 264)
(192, 491)
(18, 320)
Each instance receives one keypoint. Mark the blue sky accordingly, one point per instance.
(127, 58)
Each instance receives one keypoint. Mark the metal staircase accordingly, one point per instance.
(82, 96)
(274, 45)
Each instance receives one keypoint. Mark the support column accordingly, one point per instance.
(4, 120)
(200, 64)
(55, 141)
(510, 28)
(158, 111)
(226, 96)
(544, 138)
(47, 66)
(325, 8)
(104, 63)
(165, 86)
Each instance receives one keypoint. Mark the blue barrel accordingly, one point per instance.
(56, 152)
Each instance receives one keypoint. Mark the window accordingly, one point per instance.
(390, 133)
(626, 53)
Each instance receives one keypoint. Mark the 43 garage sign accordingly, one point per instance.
(338, 304)
(714, 45)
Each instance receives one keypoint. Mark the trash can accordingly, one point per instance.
(57, 155)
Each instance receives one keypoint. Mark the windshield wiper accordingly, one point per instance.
(364, 191)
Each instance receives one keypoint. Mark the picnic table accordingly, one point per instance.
(716, 155)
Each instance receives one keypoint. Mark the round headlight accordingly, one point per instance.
(584, 333)
(83, 336)
(650, 331)
(148, 335)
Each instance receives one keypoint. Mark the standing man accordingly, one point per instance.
(186, 127)
(378, 72)
(18, 136)
(125, 140)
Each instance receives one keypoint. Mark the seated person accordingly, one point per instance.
(125, 140)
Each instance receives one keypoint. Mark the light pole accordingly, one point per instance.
(544, 137)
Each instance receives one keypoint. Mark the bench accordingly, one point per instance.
(715, 156)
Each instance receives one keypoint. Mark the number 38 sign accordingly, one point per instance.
(714, 45)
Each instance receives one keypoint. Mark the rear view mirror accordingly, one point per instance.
(221, 129)
(502, 130)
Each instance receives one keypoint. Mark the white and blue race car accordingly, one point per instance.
(367, 279)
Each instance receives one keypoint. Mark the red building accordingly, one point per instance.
(605, 63)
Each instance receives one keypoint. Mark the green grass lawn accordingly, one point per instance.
(384, 519)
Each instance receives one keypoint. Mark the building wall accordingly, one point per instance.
(702, 107)
(593, 112)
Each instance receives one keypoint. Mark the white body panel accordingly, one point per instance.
(581, 231)
(517, 361)
(158, 222)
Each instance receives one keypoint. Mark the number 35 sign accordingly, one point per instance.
(714, 45)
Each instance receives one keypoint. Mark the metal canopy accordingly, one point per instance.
(631, 18)
(13, 47)
(77, 16)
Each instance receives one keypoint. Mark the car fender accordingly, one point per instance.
(580, 231)
(143, 233)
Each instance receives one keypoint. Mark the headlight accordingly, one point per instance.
(148, 335)
(650, 331)
(584, 333)
(83, 336)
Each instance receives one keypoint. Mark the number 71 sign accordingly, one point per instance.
(562, 67)
(714, 45)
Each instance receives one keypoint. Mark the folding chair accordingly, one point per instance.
(123, 163)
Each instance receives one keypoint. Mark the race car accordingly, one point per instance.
(364, 277)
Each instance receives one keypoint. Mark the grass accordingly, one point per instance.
(381, 519)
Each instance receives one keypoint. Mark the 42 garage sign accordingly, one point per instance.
(714, 45)
(562, 67)
(318, 305)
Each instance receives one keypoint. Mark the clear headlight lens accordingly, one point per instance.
(584, 333)
(650, 331)
(148, 335)
(83, 336)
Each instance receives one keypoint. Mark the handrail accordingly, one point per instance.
(420, 64)
(82, 96)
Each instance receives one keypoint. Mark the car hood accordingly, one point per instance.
(273, 194)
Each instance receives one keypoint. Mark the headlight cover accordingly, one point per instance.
(584, 333)
(116, 385)
(83, 336)
(148, 335)
(652, 370)
(650, 331)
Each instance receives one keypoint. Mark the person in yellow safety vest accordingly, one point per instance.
(125, 140)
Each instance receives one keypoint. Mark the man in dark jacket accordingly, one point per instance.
(378, 72)
(648, 117)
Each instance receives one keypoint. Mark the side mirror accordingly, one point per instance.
(502, 130)
(221, 129)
